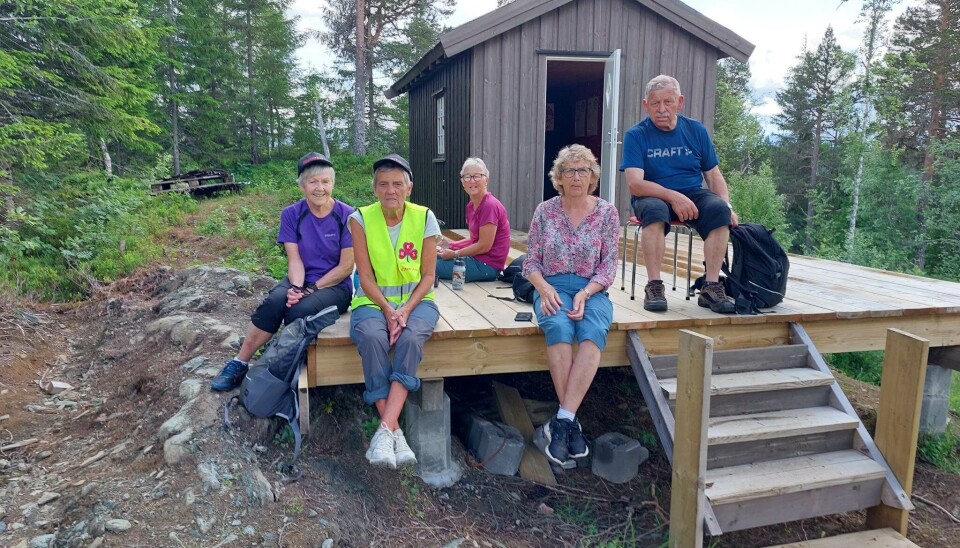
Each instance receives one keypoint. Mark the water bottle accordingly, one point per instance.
(459, 273)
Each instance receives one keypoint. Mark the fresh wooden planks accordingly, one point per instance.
(757, 381)
(876, 538)
(752, 481)
(533, 465)
(778, 424)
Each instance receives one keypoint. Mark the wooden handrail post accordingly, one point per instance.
(694, 367)
(898, 418)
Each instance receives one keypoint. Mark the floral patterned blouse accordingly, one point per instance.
(554, 246)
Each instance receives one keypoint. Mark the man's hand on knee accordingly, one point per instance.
(683, 207)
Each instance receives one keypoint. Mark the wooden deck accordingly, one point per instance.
(842, 307)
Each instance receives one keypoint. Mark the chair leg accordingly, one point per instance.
(676, 238)
(623, 263)
(689, 258)
(636, 251)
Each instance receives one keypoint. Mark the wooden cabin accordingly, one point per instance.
(519, 83)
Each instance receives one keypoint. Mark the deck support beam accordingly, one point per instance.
(694, 369)
(898, 418)
(426, 416)
(942, 363)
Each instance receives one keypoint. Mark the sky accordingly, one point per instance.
(777, 28)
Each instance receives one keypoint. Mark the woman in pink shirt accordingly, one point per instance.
(571, 261)
(485, 251)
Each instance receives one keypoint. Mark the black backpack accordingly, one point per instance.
(513, 275)
(758, 277)
(514, 269)
(270, 387)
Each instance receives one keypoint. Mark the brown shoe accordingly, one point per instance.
(714, 297)
(655, 296)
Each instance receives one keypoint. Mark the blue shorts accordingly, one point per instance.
(559, 328)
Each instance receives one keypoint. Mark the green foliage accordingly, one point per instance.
(941, 450)
(294, 507)
(755, 199)
(737, 133)
(412, 492)
(75, 232)
(863, 366)
(369, 427)
(284, 438)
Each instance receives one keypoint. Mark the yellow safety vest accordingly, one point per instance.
(397, 270)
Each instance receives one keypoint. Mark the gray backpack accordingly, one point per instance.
(270, 387)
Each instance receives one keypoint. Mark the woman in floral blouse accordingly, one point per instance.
(571, 261)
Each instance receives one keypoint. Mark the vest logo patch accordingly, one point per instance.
(407, 252)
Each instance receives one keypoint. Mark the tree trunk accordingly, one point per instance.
(323, 129)
(359, 82)
(371, 98)
(254, 149)
(107, 161)
(812, 184)
(6, 209)
(172, 100)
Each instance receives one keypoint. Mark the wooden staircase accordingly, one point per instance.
(783, 441)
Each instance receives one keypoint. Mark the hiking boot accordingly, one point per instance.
(230, 376)
(381, 451)
(404, 455)
(655, 296)
(557, 432)
(714, 297)
(577, 446)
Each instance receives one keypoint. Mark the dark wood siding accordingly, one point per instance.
(508, 103)
(436, 182)
(500, 118)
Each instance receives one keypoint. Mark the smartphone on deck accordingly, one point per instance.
(523, 317)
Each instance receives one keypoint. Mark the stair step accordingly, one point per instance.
(778, 424)
(736, 484)
(757, 381)
(875, 538)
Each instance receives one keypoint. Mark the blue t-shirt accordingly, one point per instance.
(674, 159)
(321, 239)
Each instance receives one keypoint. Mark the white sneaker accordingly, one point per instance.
(404, 455)
(381, 448)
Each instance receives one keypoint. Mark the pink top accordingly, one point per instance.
(589, 251)
(490, 212)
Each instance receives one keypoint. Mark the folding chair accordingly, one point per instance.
(675, 227)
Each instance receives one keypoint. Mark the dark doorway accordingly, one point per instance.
(574, 110)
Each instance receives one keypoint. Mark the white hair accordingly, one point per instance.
(391, 167)
(317, 170)
(475, 162)
(661, 82)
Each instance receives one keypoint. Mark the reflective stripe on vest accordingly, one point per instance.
(397, 270)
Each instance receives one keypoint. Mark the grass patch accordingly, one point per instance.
(941, 450)
(862, 366)
(955, 393)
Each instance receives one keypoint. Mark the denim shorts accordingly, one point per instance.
(559, 328)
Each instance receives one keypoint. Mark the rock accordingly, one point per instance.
(47, 497)
(55, 387)
(189, 497)
(205, 524)
(44, 455)
(176, 424)
(177, 448)
(97, 543)
(96, 528)
(117, 525)
(311, 513)
(249, 531)
(42, 541)
(3, 527)
(227, 540)
(194, 364)
(190, 388)
(259, 490)
(209, 371)
(174, 538)
(88, 488)
(208, 477)
(328, 543)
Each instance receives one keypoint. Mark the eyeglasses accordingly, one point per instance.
(474, 177)
(581, 171)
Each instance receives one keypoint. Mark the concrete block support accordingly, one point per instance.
(936, 399)
(426, 417)
(498, 446)
(617, 458)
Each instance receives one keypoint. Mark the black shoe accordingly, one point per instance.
(230, 376)
(714, 297)
(655, 296)
(577, 446)
(557, 432)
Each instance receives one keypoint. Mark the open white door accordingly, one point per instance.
(611, 128)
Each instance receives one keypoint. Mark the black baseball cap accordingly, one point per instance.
(394, 160)
(310, 159)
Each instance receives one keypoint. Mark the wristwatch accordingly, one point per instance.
(456, 253)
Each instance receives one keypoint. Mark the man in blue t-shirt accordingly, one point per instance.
(666, 158)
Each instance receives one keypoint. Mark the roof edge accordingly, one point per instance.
(423, 65)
